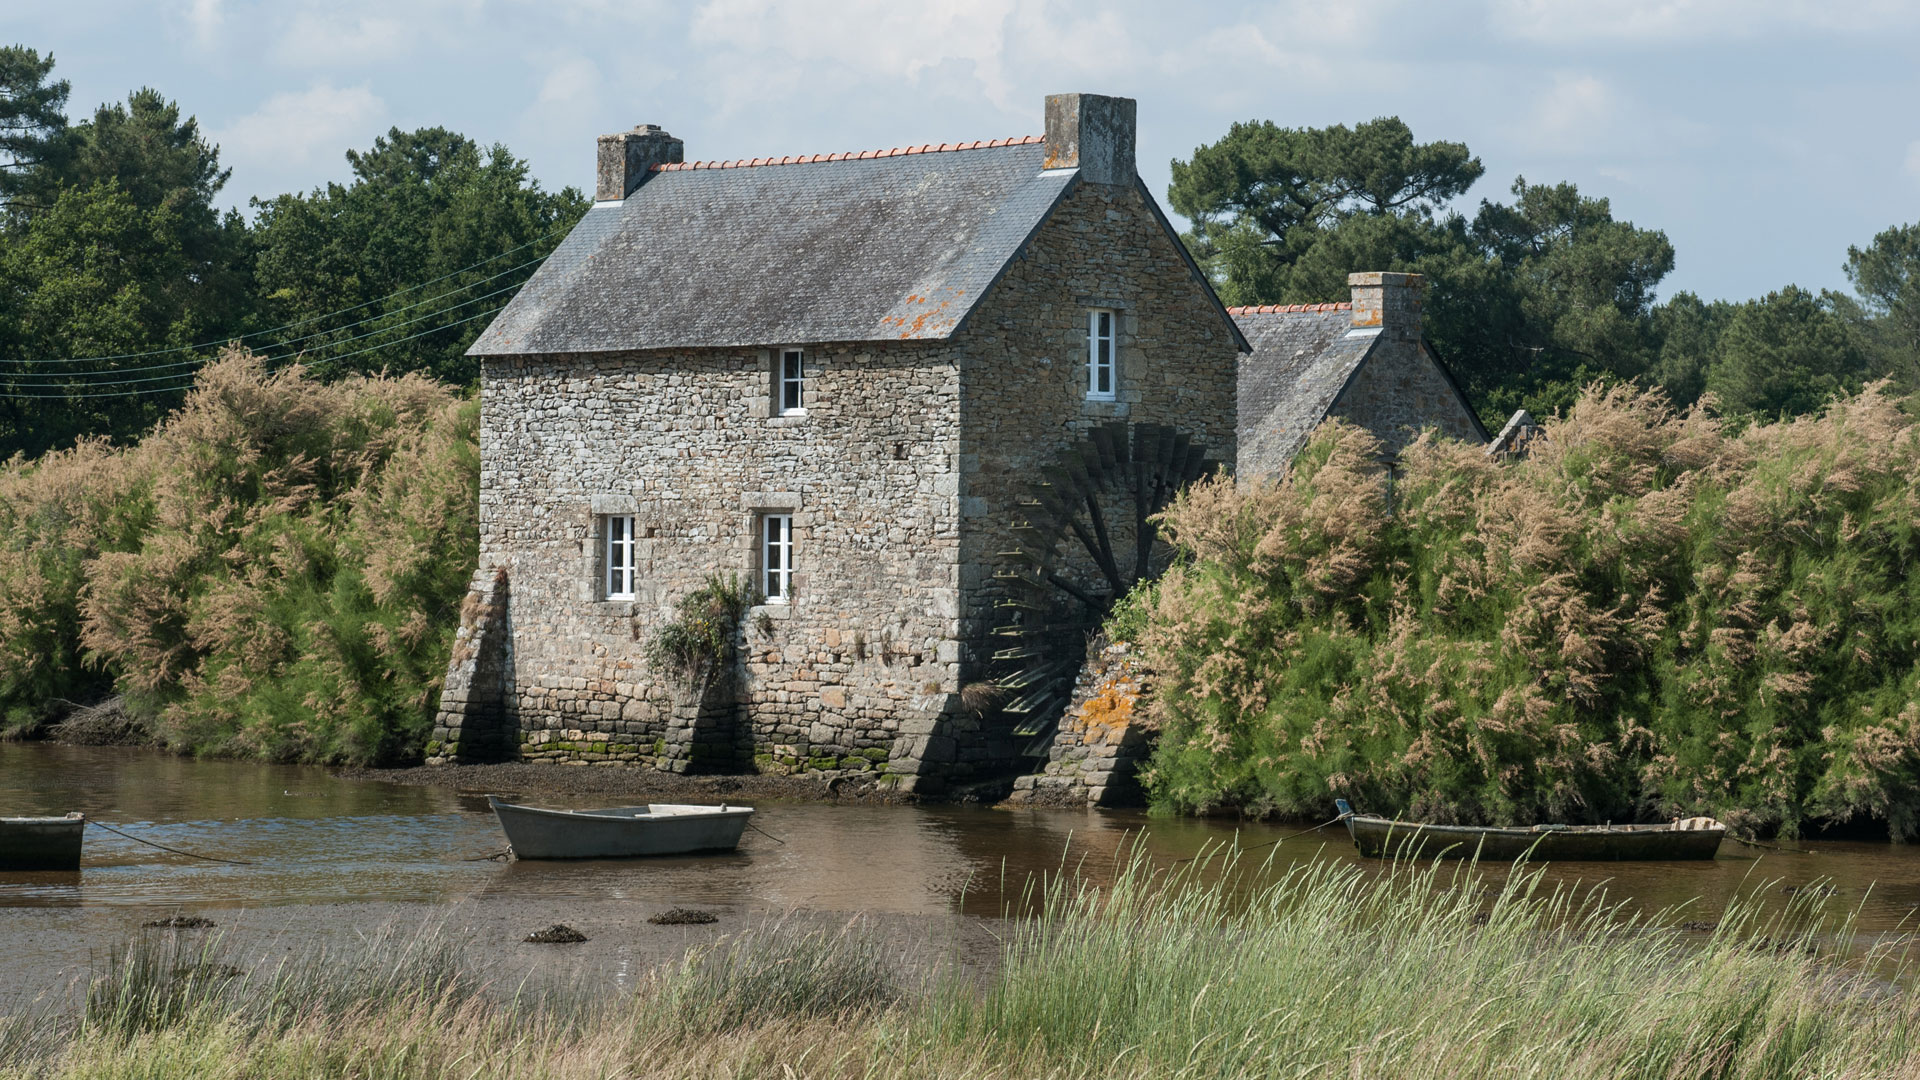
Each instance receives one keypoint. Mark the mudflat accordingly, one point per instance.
(635, 783)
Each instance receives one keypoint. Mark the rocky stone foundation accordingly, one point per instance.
(1102, 740)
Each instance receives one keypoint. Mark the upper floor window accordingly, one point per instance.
(788, 388)
(618, 556)
(1100, 373)
(776, 557)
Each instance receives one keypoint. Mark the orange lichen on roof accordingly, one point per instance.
(1289, 309)
(850, 155)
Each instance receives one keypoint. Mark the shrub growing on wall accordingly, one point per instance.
(1651, 614)
(275, 571)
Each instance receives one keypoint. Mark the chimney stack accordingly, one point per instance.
(1092, 133)
(1388, 301)
(625, 158)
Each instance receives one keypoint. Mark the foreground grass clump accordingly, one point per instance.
(1330, 970)
(274, 572)
(1651, 613)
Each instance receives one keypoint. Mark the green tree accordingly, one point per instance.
(423, 205)
(33, 118)
(94, 274)
(1789, 352)
(1564, 296)
(1282, 215)
(1526, 302)
(1886, 276)
(1688, 329)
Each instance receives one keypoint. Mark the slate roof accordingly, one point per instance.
(1303, 355)
(856, 247)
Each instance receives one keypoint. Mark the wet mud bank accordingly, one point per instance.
(627, 783)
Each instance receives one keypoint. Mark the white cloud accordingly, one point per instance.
(873, 39)
(204, 17)
(1675, 21)
(335, 37)
(1913, 159)
(301, 128)
(1576, 108)
(570, 81)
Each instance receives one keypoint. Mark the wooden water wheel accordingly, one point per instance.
(1055, 598)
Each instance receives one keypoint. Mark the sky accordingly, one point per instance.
(1763, 136)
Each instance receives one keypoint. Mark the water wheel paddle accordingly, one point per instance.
(1053, 598)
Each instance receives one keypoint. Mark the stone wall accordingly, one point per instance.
(1024, 383)
(1102, 741)
(902, 478)
(685, 442)
(1400, 391)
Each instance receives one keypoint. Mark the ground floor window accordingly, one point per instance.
(776, 557)
(618, 530)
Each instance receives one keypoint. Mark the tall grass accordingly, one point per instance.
(1651, 614)
(274, 572)
(1328, 969)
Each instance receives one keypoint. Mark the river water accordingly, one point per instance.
(352, 851)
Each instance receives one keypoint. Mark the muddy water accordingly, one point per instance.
(324, 851)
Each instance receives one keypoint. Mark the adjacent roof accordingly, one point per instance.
(850, 247)
(1303, 356)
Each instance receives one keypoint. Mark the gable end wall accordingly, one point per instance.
(1400, 391)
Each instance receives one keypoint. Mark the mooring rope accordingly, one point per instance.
(1334, 820)
(163, 847)
(765, 833)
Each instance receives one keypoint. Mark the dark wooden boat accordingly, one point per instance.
(1384, 838)
(41, 843)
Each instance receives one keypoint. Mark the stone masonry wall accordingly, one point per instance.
(686, 443)
(902, 477)
(1102, 740)
(1024, 378)
(1399, 391)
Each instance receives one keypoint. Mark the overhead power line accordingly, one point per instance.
(283, 361)
(324, 315)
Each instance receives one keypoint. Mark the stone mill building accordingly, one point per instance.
(922, 399)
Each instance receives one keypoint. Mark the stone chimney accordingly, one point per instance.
(625, 158)
(1388, 301)
(1092, 133)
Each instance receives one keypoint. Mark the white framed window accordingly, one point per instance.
(1100, 370)
(776, 557)
(789, 397)
(617, 554)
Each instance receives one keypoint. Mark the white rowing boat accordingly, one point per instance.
(620, 832)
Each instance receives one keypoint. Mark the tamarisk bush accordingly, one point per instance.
(274, 572)
(1651, 613)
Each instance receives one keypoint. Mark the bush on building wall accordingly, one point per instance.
(698, 647)
(273, 572)
(1652, 614)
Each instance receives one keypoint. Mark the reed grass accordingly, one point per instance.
(1217, 969)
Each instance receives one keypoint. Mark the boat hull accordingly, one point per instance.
(1380, 838)
(41, 843)
(622, 832)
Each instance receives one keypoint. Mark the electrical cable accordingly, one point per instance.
(277, 345)
(315, 318)
(283, 360)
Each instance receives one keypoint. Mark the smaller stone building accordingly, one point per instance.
(1364, 361)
